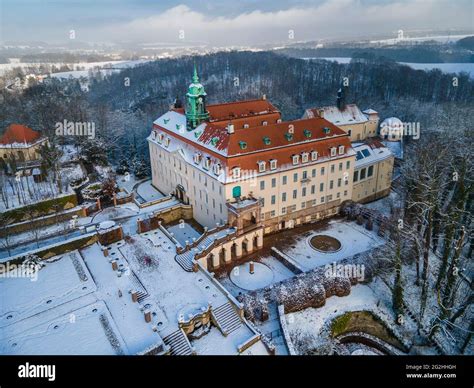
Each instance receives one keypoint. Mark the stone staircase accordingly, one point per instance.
(138, 286)
(179, 343)
(226, 318)
(185, 260)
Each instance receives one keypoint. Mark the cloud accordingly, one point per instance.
(219, 22)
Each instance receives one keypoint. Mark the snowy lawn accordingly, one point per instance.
(354, 239)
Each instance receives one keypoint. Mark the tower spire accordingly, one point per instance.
(195, 75)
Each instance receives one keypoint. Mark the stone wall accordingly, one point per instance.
(40, 209)
(44, 221)
(166, 216)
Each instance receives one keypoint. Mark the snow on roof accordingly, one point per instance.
(351, 114)
(370, 111)
(365, 154)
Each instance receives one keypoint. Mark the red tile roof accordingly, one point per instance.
(276, 134)
(17, 133)
(238, 110)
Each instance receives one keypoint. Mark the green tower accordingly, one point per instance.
(196, 111)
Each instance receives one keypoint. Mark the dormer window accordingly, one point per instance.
(296, 159)
(314, 155)
(214, 141)
(266, 140)
(197, 158)
(278, 121)
(242, 145)
(289, 136)
(273, 164)
(264, 122)
(307, 133)
(333, 151)
(304, 157)
(236, 172)
(326, 130)
(341, 150)
(261, 166)
(160, 138)
(217, 169)
(207, 163)
(246, 125)
(167, 142)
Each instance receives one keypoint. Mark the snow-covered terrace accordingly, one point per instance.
(354, 239)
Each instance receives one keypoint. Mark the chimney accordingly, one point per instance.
(252, 267)
(264, 97)
(230, 128)
(114, 265)
(321, 113)
(134, 296)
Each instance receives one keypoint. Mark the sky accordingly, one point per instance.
(224, 22)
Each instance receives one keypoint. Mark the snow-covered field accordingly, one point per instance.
(444, 67)
(76, 73)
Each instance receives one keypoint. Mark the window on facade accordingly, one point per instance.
(262, 185)
(285, 179)
(321, 186)
(207, 163)
(295, 177)
(322, 170)
(339, 182)
(340, 166)
(303, 205)
(322, 199)
(273, 200)
(338, 195)
(348, 165)
(345, 193)
(362, 173)
(356, 176)
(332, 168)
(295, 194)
(330, 197)
(283, 197)
(272, 213)
(236, 172)
(283, 210)
(274, 182)
(313, 189)
(313, 172)
(305, 174)
(331, 185)
(303, 192)
(370, 171)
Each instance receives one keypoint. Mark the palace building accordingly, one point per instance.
(240, 164)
